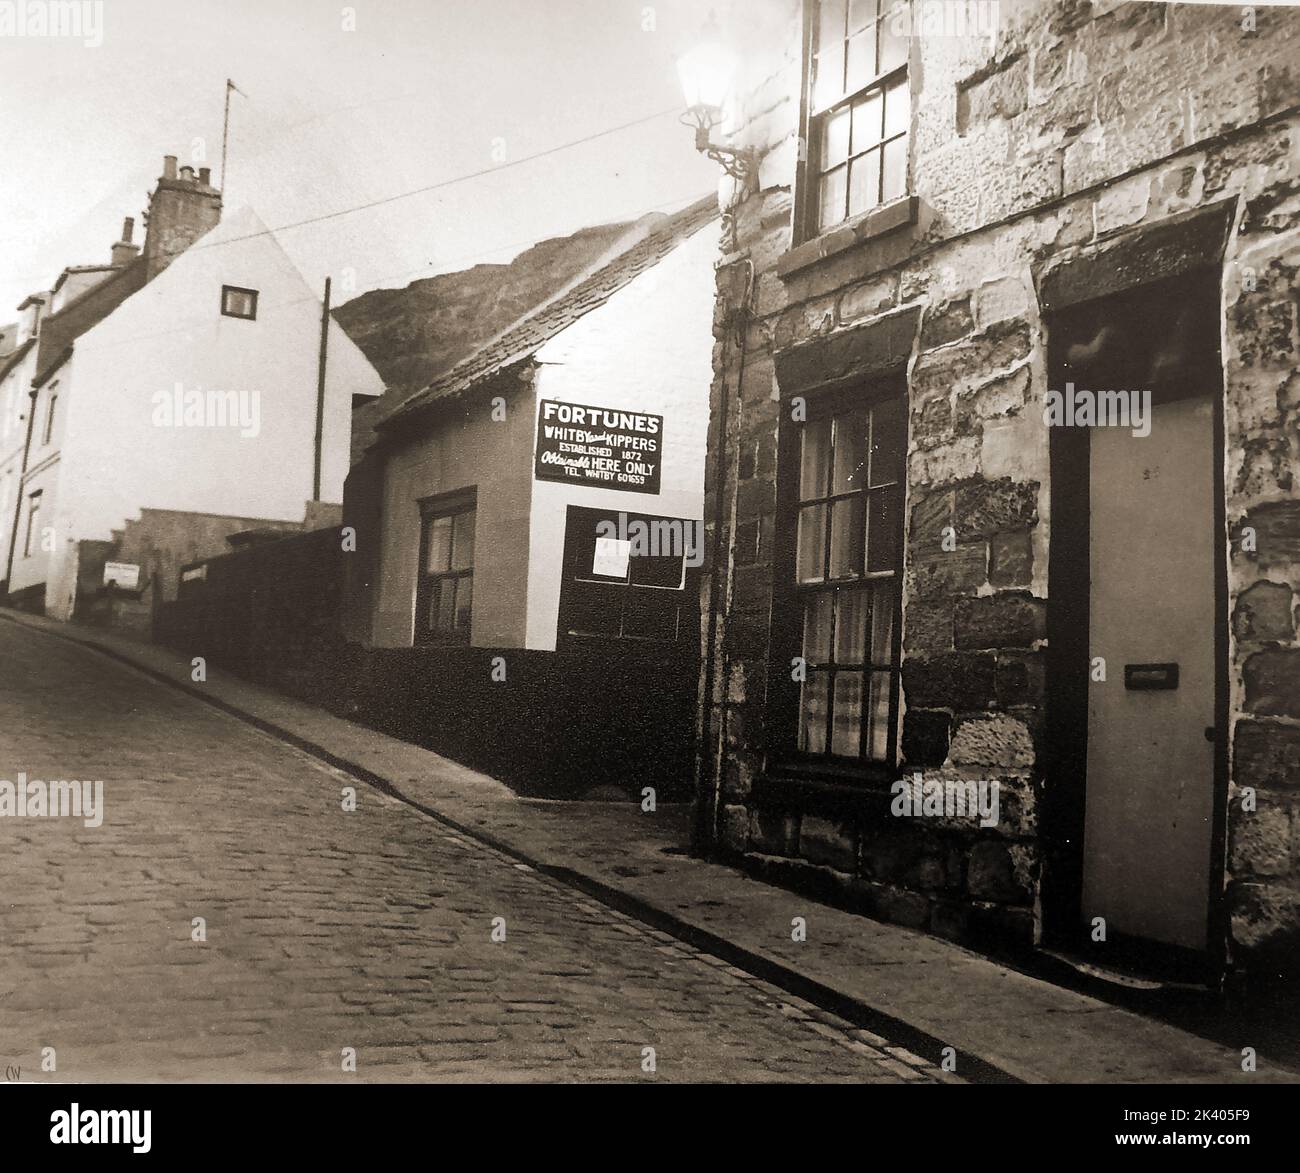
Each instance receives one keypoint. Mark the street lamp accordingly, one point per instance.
(707, 73)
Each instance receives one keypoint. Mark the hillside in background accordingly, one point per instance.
(415, 334)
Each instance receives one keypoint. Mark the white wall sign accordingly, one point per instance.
(123, 574)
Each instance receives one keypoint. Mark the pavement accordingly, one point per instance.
(324, 925)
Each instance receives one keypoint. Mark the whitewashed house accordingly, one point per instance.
(17, 366)
(529, 530)
(634, 340)
(183, 381)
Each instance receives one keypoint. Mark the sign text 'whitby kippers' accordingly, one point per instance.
(597, 446)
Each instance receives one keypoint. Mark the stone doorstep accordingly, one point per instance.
(923, 992)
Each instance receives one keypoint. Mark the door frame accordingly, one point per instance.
(1069, 677)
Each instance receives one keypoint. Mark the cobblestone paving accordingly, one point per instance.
(326, 929)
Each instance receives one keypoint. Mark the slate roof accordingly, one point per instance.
(59, 331)
(78, 269)
(12, 359)
(520, 342)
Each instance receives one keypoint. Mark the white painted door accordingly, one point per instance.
(1150, 768)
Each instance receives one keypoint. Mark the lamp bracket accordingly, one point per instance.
(739, 162)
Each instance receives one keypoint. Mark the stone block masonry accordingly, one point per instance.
(1077, 131)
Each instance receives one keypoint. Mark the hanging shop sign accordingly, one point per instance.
(598, 446)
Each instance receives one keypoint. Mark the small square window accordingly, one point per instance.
(238, 303)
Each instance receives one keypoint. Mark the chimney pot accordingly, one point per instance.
(180, 211)
(124, 252)
(205, 176)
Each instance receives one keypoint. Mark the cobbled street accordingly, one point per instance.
(328, 931)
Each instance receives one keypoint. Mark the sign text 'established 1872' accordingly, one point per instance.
(599, 446)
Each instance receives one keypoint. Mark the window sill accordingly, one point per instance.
(826, 791)
(439, 641)
(852, 233)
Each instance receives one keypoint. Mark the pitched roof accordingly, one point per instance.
(78, 269)
(59, 331)
(521, 341)
(11, 360)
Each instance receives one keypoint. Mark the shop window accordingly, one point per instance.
(625, 575)
(859, 110)
(444, 596)
(846, 519)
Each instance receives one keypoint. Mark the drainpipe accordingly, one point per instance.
(18, 504)
(704, 831)
(320, 390)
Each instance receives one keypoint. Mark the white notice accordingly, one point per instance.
(612, 558)
(124, 574)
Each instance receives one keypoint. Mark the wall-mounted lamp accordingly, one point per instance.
(707, 73)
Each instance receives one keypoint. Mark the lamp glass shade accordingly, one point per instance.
(707, 72)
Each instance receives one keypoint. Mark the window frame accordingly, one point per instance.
(783, 755)
(227, 313)
(34, 502)
(432, 509)
(51, 402)
(807, 211)
(584, 593)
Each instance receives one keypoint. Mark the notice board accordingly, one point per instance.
(607, 448)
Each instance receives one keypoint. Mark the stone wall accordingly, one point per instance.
(1078, 125)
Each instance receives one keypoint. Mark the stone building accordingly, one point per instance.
(970, 227)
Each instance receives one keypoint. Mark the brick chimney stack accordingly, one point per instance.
(125, 251)
(181, 209)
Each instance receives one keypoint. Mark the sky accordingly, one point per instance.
(414, 93)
